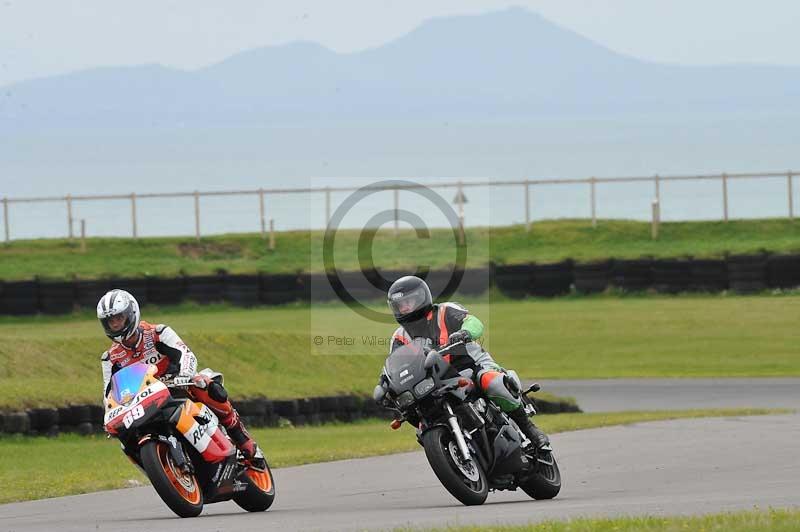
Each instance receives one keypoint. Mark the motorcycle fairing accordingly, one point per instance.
(405, 367)
(200, 426)
(507, 452)
(149, 395)
(221, 479)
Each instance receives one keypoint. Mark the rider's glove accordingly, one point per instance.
(459, 336)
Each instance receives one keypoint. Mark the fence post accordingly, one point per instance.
(69, 216)
(5, 219)
(83, 235)
(725, 196)
(594, 202)
(271, 234)
(197, 215)
(134, 229)
(656, 219)
(396, 211)
(791, 194)
(327, 206)
(527, 206)
(657, 180)
(261, 210)
(460, 198)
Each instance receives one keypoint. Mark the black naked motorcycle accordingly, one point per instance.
(471, 444)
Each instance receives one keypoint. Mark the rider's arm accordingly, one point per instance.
(180, 356)
(459, 319)
(473, 326)
(105, 364)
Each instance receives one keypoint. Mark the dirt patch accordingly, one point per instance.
(210, 250)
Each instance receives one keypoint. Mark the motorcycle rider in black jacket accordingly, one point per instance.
(442, 324)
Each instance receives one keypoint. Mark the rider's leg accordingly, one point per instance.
(504, 392)
(215, 397)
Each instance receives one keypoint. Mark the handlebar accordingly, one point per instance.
(448, 347)
(178, 382)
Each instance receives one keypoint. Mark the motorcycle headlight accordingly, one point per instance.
(405, 399)
(423, 387)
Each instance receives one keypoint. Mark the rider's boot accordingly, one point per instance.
(538, 438)
(213, 395)
(244, 442)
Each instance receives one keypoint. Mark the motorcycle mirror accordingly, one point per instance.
(431, 359)
(378, 393)
(535, 387)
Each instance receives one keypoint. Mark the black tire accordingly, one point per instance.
(545, 483)
(157, 463)
(256, 498)
(437, 449)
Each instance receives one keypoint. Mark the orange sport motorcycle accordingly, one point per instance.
(180, 445)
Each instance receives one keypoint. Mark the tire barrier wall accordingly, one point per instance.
(258, 412)
(740, 273)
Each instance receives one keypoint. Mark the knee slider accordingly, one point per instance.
(217, 392)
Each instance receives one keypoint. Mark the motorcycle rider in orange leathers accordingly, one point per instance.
(136, 340)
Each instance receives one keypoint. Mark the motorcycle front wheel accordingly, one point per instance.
(178, 490)
(465, 481)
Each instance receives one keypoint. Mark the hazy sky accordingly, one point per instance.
(45, 37)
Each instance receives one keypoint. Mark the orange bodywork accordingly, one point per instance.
(214, 447)
(187, 421)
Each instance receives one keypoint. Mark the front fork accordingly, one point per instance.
(458, 434)
(176, 450)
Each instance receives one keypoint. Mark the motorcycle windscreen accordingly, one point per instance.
(126, 382)
(405, 366)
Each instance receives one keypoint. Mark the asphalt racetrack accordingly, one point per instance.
(666, 467)
(616, 395)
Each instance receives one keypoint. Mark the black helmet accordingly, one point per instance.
(410, 299)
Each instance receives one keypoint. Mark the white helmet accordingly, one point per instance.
(114, 303)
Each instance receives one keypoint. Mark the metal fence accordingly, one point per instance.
(525, 187)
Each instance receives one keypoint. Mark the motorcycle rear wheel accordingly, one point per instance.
(260, 492)
(545, 482)
(437, 443)
(180, 491)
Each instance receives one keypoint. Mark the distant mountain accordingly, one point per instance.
(506, 64)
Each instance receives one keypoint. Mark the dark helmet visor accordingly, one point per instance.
(406, 303)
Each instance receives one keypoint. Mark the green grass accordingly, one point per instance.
(270, 351)
(772, 520)
(94, 463)
(301, 250)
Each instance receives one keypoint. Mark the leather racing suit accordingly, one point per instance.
(160, 345)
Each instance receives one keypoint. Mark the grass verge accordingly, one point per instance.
(94, 463)
(772, 520)
(301, 250)
(48, 361)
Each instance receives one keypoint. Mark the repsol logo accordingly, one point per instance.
(198, 433)
(145, 393)
(138, 399)
(154, 358)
